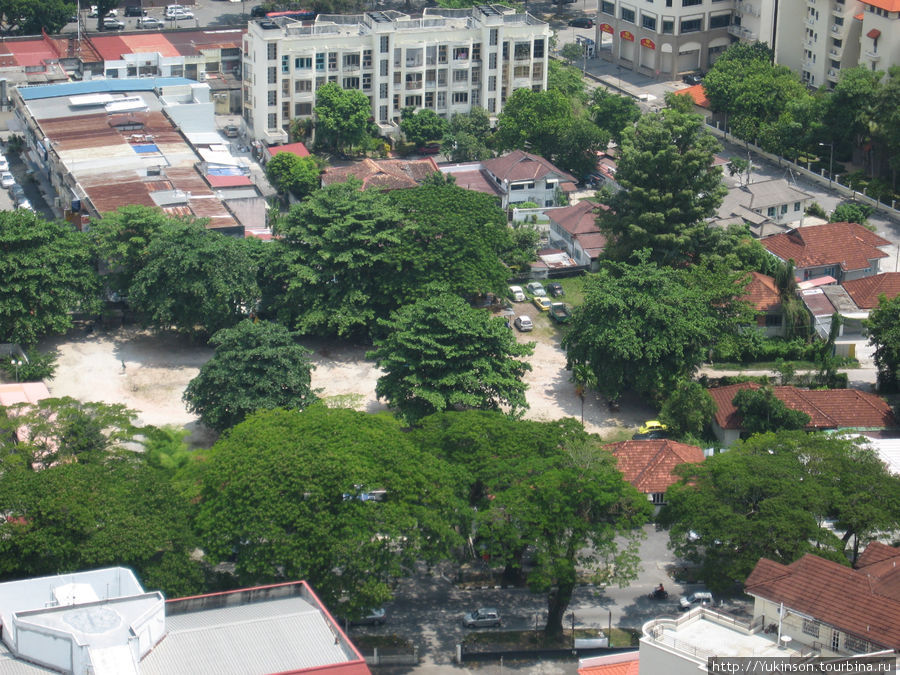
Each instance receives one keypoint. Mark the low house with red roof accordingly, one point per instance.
(833, 609)
(574, 229)
(866, 292)
(647, 464)
(828, 409)
(383, 174)
(627, 663)
(516, 177)
(844, 251)
(761, 292)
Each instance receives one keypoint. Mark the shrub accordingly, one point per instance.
(38, 367)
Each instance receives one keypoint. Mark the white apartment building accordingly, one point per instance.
(664, 38)
(447, 61)
(879, 36)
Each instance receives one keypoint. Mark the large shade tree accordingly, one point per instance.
(440, 353)
(288, 495)
(46, 274)
(342, 117)
(543, 487)
(883, 325)
(257, 366)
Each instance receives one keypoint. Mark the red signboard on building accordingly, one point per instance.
(627, 35)
(648, 43)
(606, 28)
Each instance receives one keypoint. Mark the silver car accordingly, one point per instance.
(696, 598)
(482, 617)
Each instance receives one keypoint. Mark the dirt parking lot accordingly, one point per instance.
(148, 372)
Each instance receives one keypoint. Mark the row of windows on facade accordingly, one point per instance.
(409, 81)
(650, 22)
(773, 210)
(852, 644)
(419, 56)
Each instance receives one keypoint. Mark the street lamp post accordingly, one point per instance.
(830, 162)
(17, 363)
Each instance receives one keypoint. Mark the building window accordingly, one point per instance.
(441, 100)
(385, 44)
(691, 3)
(367, 58)
(522, 51)
(460, 75)
(811, 627)
(658, 498)
(855, 645)
(460, 97)
(442, 53)
(773, 320)
(492, 60)
(332, 61)
(271, 121)
(414, 101)
(383, 69)
(796, 206)
(648, 22)
(272, 50)
(627, 15)
(668, 27)
(720, 21)
(476, 51)
(383, 113)
(476, 97)
(522, 186)
(442, 78)
(303, 63)
(539, 48)
(367, 81)
(476, 75)
(522, 71)
(302, 86)
(461, 54)
(537, 70)
(492, 105)
(691, 25)
(771, 212)
(285, 63)
(835, 640)
(272, 97)
(320, 61)
(383, 90)
(493, 37)
(492, 83)
(272, 75)
(351, 60)
(351, 83)
(608, 8)
(429, 99)
(302, 109)
(784, 209)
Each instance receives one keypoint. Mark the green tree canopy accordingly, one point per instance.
(467, 136)
(80, 515)
(342, 117)
(47, 274)
(883, 325)
(439, 354)
(850, 108)
(122, 239)
(285, 497)
(613, 112)
(195, 280)
(670, 188)
(22, 17)
(643, 326)
(688, 409)
(422, 126)
(762, 411)
(258, 365)
(567, 80)
(767, 497)
(297, 175)
(851, 212)
(544, 487)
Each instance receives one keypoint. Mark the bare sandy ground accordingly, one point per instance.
(158, 367)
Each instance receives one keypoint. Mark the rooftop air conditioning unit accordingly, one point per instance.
(154, 171)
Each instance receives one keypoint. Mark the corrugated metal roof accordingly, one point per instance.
(286, 634)
(93, 86)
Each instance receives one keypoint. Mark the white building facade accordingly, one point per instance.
(447, 61)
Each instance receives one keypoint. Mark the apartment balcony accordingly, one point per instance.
(838, 9)
(746, 8)
(835, 52)
(811, 21)
(412, 86)
(415, 63)
(809, 64)
(873, 55)
(809, 43)
(834, 73)
(837, 30)
(741, 32)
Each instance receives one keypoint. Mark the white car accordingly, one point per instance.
(150, 22)
(112, 23)
(24, 204)
(7, 180)
(180, 14)
(697, 598)
(93, 13)
(516, 294)
(4, 165)
(523, 323)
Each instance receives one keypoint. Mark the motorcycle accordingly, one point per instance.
(659, 595)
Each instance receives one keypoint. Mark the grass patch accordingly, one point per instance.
(771, 365)
(381, 642)
(620, 434)
(574, 288)
(624, 637)
(535, 639)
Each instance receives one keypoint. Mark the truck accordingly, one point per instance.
(559, 312)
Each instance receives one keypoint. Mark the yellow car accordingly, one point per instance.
(652, 429)
(542, 303)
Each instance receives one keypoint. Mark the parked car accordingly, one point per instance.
(375, 617)
(112, 23)
(523, 323)
(7, 180)
(16, 191)
(24, 204)
(4, 164)
(696, 598)
(150, 22)
(652, 429)
(559, 312)
(582, 22)
(692, 78)
(555, 289)
(232, 131)
(516, 294)
(536, 288)
(93, 12)
(135, 10)
(483, 617)
(259, 11)
(541, 302)
(180, 14)
(430, 148)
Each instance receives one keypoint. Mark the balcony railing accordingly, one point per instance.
(834, 72)
(741, 32)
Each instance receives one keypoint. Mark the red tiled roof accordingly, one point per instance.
(762, 292)
(889, 5)
(827, 409)
(697, 93)
(882, 562)
(294, 148)
(228, 181)
(576, 219)
(849, 245)
(386, 174)
(877, 552)
(520, 165)
(648, 464)
(611, 664)
(850, 600)
(865, 291)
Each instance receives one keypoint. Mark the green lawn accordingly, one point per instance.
(770, 365)
(574, 288)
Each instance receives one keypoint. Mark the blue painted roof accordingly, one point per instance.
(100, 87)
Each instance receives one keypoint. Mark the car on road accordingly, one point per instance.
(16, 191)
(516, 294)
(536, 288)
(582, 22)
(4, 164)
(150, 22)
(523, 323)
(375, 617)
(7, 180)
(180, 14)
(542, 303)
(692, 78)
(482, 618)
(232, 131)
(652, 429)
(93, 12)
(135, 10)
(259, 11)
(701, 598)
(112, 23)
(555, 289)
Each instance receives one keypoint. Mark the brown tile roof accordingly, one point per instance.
(697, 94)
(612, 664)
(577, 219)
(761, 292)
(520, 165)
(386, 174)
(827, 409)
(882, 562)
(849, 245)
(865, 291)
(877, 552)
(648, 464)
(850, 600)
